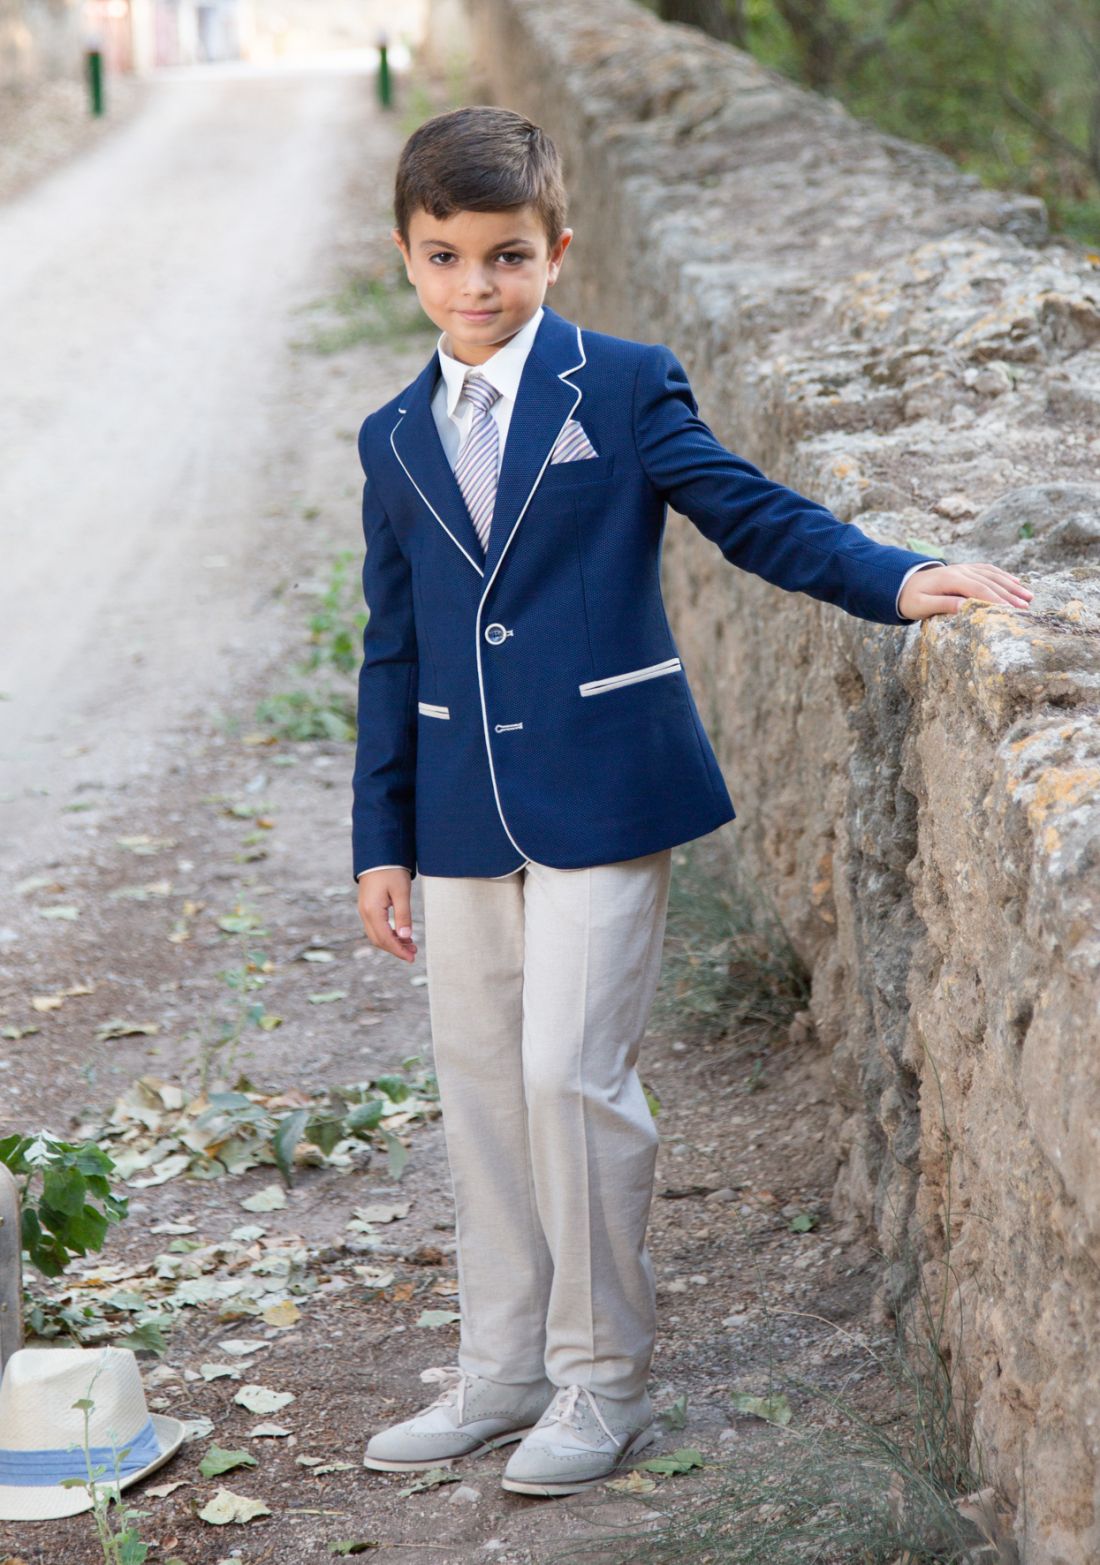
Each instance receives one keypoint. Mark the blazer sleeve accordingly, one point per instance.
(383, 783)
(758, 524)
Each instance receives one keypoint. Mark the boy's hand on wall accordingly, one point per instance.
(943, 589)
(379, 890)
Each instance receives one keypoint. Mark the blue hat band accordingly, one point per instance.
(40, 1469)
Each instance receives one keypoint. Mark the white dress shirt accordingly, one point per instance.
(452, 419)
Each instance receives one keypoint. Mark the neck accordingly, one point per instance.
(465, 356)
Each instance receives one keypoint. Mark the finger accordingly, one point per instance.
(373, 909)
(984, 589)
(1007, 587)
(1006, 578)
(382, 936)
(379, 931)
(402, 915)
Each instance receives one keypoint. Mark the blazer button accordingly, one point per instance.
(495, 634)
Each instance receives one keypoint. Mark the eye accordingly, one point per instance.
(512, 255)
(441, 255)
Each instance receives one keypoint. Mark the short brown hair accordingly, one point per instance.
(480, 159)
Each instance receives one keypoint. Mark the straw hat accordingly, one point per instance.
(42, 1433)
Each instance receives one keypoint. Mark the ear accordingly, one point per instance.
(556, 256)
(395, 234)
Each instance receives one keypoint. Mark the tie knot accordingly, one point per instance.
(481, 392)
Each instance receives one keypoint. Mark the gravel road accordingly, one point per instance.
(147, 292)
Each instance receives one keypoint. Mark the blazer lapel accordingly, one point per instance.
(544, 401)
(416, 444)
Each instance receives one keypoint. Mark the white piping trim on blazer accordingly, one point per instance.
(562, 374)
(424, 497)
(596, 687)
(429, 709)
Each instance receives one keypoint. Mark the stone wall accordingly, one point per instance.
(875, 329)
(40, 40)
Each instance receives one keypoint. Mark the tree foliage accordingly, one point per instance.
(1009, 88)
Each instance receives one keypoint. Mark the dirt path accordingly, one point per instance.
(173, 521)
(147, 291)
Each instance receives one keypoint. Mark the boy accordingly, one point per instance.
(528, 743)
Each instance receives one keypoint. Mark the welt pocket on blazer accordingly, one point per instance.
(430, 709)
(598, 687)
(582, 470)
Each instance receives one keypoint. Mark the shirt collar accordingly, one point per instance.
(503, 369)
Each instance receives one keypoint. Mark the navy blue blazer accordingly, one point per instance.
(531, 704)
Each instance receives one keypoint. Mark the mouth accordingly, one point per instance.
(476, 315)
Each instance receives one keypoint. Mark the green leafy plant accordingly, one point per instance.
(376, 307)
(220, 1039)
(65, 1198)
(122, 1546)
(300, 715)
(336, 625)
(322, 710)
(348, 1113)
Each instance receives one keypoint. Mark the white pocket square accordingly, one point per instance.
(572, 445)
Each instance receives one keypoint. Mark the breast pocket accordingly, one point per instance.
(560, 476)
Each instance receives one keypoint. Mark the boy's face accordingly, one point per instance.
(480, 276)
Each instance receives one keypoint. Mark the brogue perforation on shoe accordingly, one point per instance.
(471, 1415)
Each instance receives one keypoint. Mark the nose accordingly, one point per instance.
(477, 282)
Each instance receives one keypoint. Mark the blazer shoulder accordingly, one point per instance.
(376, 427)
(649, 367)
(625, 352)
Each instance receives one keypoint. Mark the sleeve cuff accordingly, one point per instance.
(920, 566)
(370, 867)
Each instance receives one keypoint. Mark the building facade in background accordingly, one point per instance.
(44, 40)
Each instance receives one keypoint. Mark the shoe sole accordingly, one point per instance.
(378, 1464)
(528, 1486)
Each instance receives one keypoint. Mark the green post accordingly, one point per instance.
(385, 81)
(95, 79)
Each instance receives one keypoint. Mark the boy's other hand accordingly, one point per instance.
(943, 589)
(379, 890)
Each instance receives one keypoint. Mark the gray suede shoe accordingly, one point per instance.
(581, 1439)
(470, 1415)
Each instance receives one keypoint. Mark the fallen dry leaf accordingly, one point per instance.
(633, 1483)
(229, 1507)
(119, 1028)
(383, 1212)
(161, 1491)
(262, 1399)
(272, 1198)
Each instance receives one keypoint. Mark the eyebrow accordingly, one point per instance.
(446, 244)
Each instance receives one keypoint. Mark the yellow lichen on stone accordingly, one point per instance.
(1061, 788)
(1040, 733)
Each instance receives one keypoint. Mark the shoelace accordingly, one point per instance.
(455, 1381)
(564, 1410)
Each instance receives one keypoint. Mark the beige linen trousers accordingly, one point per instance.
(540, 985)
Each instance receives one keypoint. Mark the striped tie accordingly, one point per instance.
(476, 467)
